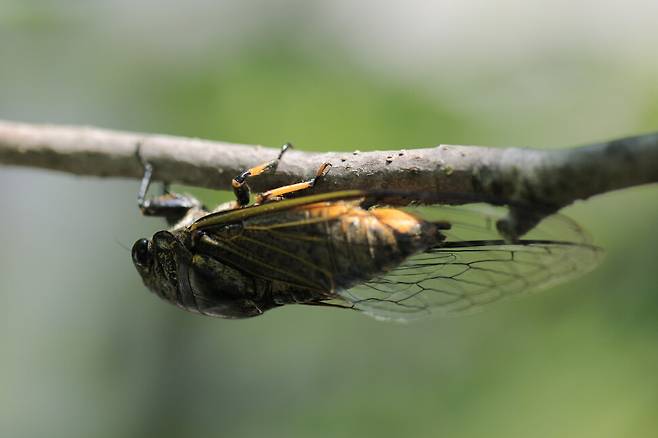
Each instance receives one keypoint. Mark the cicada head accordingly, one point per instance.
(195, 282)
(157, 262)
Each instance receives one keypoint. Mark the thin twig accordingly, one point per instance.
(546, 180)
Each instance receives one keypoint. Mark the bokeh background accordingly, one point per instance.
(87, 351)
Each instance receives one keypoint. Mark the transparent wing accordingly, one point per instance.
(476, 267)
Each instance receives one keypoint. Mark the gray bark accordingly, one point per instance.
(534, 183)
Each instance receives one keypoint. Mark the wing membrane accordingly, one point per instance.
(262, 253)
(475, 267)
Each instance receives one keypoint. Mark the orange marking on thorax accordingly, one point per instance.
(334, 209)
(399, 220)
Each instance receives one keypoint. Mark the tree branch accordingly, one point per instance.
(546, 180)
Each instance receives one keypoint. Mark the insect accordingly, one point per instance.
(330, 249)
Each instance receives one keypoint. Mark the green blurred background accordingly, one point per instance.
(87, 351)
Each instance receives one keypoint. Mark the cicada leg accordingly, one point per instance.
(172, 206)
(239, 183)
(277, 193)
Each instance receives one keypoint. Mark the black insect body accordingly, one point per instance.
(330, 250)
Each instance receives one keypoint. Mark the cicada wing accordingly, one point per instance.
(475, 267)
(289, 246)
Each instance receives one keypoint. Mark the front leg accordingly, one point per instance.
(172, 206)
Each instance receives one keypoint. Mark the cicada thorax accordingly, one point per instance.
(307, 254)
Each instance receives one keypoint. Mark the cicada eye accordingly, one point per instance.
(142, 253)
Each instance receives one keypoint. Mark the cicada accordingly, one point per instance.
(338, 250)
